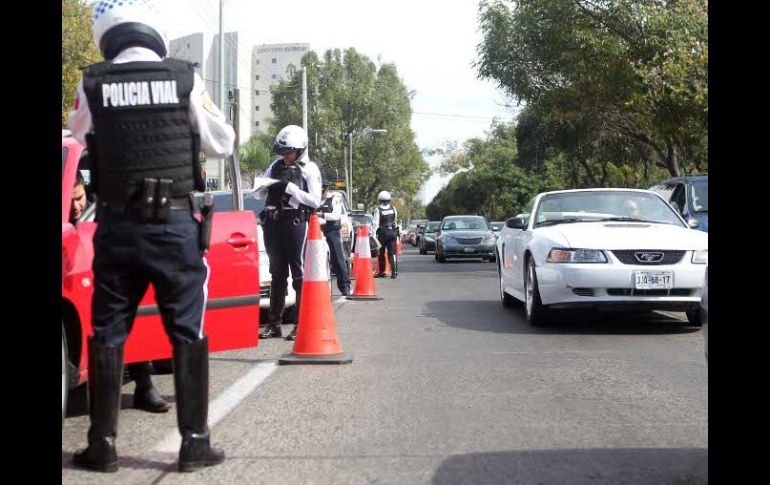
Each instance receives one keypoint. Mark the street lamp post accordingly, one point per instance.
(350, 140)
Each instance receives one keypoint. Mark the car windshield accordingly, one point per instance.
(432, 226)
(598, 206)
(223, 202)
(465, 224)
(359, 219)
(699, 194)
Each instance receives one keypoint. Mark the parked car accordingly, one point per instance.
(428, 239)
(704, 312)
(465, 237)
(601, 248)
(689, 195)
(232, 304)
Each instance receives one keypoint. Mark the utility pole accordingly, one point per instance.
(221, 84)
(304, 98)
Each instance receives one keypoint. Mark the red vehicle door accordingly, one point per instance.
(231, 319)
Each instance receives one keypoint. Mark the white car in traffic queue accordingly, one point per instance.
(619, 249)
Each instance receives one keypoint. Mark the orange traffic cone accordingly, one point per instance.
(316, 341)
(364, 289)
(399, 251)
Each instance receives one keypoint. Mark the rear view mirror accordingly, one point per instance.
(515, 223)
(693, 223)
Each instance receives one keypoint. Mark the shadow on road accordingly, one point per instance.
(575, 467)
(490, 316)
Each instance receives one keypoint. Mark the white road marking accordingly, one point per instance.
(224, 403)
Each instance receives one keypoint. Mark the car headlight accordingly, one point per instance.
(700, 257)
(447, 239)
(489, 238)
(576, 256)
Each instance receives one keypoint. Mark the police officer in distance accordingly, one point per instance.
(290, 203)
(144, 119)
(385, 220)
(329, 214)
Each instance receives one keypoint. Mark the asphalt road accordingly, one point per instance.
(446, 386)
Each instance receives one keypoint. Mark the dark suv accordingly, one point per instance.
(428, 237)
(689, 195)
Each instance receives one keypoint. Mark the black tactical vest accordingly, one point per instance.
(289, 173)
(142, 127)
(387, 216)
(328, 207)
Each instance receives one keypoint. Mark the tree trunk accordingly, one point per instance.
(672, 159)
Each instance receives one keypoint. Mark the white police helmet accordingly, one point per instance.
(291, 138)
(383, 197)
(121, 23)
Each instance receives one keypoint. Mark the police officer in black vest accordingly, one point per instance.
(329, 215)
(290, 202)
(145, 119)
(384, 219)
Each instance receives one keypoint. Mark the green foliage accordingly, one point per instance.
(607, 83)
(77, 49)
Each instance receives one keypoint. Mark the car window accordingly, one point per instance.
(432, 226)
(465, 223)
(699, 195)
(678, 197)
(223, 202)
(596, 206)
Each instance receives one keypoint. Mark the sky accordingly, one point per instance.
(431, 42)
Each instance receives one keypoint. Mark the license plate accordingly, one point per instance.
(469, 250)
(654, 280)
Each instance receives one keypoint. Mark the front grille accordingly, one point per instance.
(633, 292)
(583, 291)
(475, 240)
(629, 256)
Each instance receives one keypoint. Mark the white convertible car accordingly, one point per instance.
(601, 248)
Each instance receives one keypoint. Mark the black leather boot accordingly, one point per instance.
(191, 383)
(146, 397)
(105, 377)
(293, 334)
(274, 314)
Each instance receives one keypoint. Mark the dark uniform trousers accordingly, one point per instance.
(387, 237)
(129, 254)
(337, 257)
(285, 245)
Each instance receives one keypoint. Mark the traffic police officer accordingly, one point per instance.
(290, 202)
(384, 219)
(144, 119)
(329, 215)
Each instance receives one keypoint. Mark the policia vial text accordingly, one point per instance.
(138, 93)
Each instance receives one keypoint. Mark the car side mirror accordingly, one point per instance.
(515, 223)
(693, 223)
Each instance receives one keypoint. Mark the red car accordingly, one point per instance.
(232, 307)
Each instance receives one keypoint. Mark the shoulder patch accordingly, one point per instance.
(208, 105)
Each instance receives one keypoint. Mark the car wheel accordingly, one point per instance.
(693, 317)
(506, 299)
(536, 313)
(492, 259)
(441, 257)
(64, 374)
(423, 251)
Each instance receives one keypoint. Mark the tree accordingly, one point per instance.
(619, 80)
(255, 155)
(348, 93)
(77, 49)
